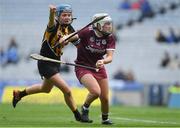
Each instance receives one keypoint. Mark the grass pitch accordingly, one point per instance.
(58, 115)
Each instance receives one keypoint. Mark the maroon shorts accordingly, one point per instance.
(101, 74)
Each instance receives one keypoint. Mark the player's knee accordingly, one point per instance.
(46, 90)
(95, 93)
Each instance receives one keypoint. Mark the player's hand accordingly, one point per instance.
(62, 40)
(52, 8)
(100, 63)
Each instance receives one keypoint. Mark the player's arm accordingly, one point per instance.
(52, 16)
(73, 38)
(106, 60)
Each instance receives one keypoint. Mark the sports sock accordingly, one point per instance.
(77, 113)
(22, 93)
(86, 106)
(104, 116)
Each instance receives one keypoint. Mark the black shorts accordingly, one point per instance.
(48, 69)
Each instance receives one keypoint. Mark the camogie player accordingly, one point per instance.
(95, 42)
(60, 19)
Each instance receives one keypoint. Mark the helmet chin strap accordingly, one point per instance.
(106, 34)
(100, 33)
(97, 32)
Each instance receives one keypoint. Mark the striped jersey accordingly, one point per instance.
(52, 36)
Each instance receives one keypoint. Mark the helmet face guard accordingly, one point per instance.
(105, 25)
(66, 8)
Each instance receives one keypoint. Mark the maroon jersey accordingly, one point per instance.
(92, 48)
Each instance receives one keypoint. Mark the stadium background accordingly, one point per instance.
(136, 50)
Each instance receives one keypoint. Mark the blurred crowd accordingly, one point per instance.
(9, 55)
(169, 61)
(171, 38)
(121, 74)
(142, 5)
(146, 10)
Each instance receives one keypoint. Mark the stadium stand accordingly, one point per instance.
(137, 49)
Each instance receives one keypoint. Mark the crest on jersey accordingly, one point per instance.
(104, 42)
(92, 39)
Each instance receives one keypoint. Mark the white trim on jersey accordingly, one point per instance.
(111, 49)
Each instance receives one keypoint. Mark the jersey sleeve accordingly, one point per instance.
(51, 29)
(83, 34)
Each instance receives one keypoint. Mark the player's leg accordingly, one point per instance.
(63, 86)
(45, 87)
(94, 92)
(104, 98)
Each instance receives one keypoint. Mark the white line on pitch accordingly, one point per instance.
(145, 121)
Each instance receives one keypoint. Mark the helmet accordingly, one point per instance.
(99, 25)
(63, 8)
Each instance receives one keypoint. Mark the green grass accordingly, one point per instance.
(34, 115)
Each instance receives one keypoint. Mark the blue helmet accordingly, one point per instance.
(63, 8)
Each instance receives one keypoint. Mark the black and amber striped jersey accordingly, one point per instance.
(52, 36)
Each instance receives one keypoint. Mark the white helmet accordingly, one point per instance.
(99, 25)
